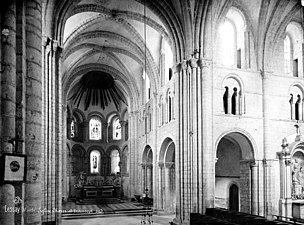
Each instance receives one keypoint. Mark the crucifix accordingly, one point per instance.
(15, 141)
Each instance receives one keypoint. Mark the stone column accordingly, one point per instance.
(135, 184)
(229, 102)
(143, 177)
(123, 130)
(245, 189)
(168, 185)
(254, 188)
(160, 186)
(65, 163)
(162, 61)
(105, 134)
(85, 131)
(8, 99)
(33, 194)
(241, 107)
(237, 106)
(149, 175)
(267, 144)
(302, 109)
(207, 135)
(20, 92)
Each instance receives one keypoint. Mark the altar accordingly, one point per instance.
(97, 187)
(298, 209)
(91, 191)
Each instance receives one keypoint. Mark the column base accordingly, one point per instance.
(285, 207)
(177, 221)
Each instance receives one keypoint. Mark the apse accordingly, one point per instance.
(97, 88)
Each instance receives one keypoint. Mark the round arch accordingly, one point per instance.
(80, 115)
(244, 140)
(165, 148)
(147, 156)
(96, 147)
(113, 147)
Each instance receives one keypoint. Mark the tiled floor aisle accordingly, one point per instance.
(119, 220)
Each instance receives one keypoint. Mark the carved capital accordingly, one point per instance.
(122, 123)
(161, 165)
(193, 63)
(287, 161)
(184, 65)
(169, 165)
(254, 164)
(143, 165)
(149, 165)
(204, 63)
(85, 124)
(176, 68)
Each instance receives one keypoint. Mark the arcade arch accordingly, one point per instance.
(235, 154)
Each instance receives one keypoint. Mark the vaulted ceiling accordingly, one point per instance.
(109, 35)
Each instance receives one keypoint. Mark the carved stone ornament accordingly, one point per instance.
(297, 168)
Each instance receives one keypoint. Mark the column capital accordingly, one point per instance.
(149, 165)
(161, 165)
(176, 68)
(184, 64)
(193, 63)
(254, 164)
(85, 124)
(143, 165)
(169, 165)
(204, 63)
(122, 122)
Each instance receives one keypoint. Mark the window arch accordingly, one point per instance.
(115, 160)
(227, 36)
(293, 41)
(95, 159)
(162, 110)
(233, 98)
(296, 103)
(73, 127)
(149, 119)
(116, 129)
(231, 42)
(95, 128)
(170, 105)
(287, 54)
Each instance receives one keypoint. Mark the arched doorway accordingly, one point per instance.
(234, 197)
(167, 186)
(235, 155)
(147, 171)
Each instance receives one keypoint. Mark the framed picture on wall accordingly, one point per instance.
(13, 167)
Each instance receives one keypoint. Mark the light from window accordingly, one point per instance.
(116, 130)
(72, 129)
(115, 159)
(287, 54)
(170, 108)
(227, 37)
(95, 129)
(95, 161)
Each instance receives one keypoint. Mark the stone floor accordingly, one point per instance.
(120, 220)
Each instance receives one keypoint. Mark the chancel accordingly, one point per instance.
(191, 111)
